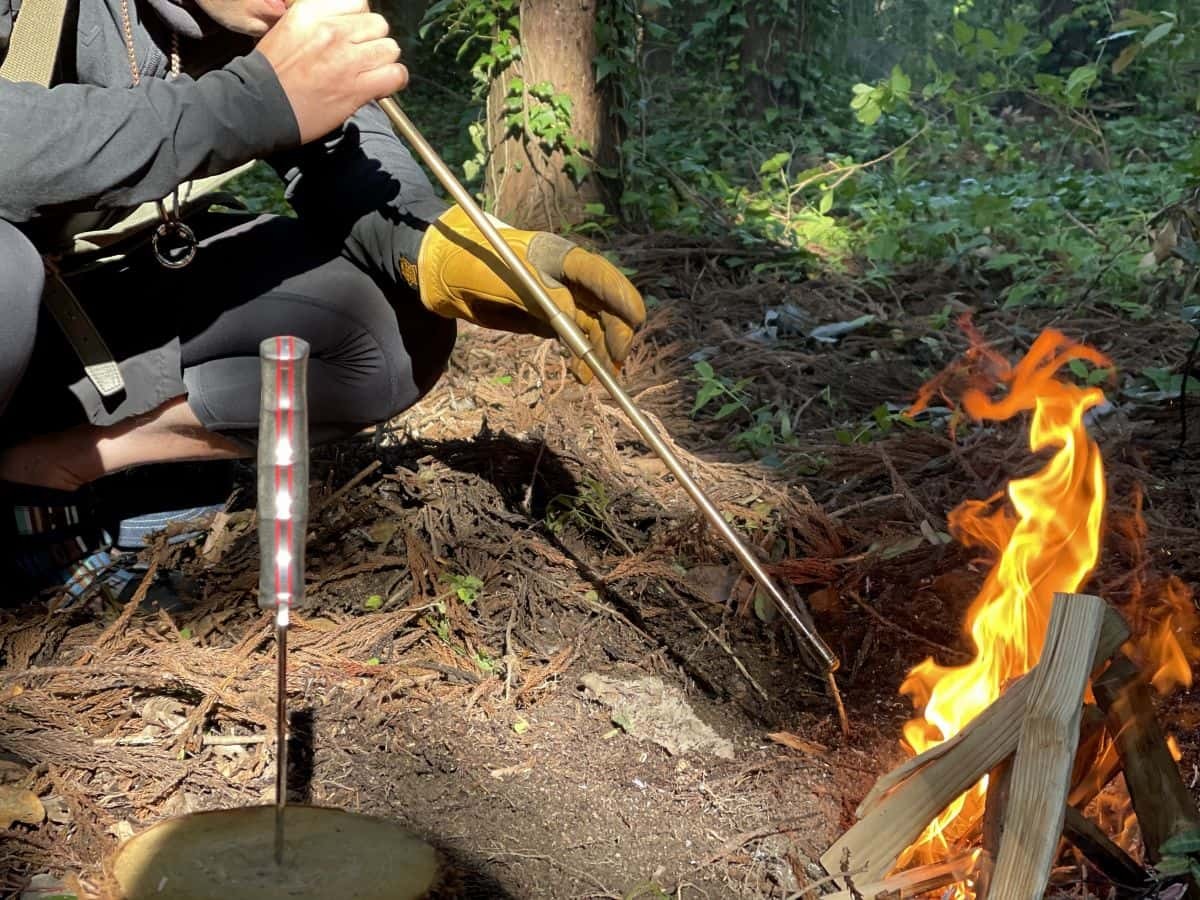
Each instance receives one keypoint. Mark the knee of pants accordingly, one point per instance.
(21, 281)
(394, 352)
(415, 353)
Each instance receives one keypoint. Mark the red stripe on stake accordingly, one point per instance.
(291, 469)
(278, 479)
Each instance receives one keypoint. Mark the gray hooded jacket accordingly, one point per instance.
(93, 141)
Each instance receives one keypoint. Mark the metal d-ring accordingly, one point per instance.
(187, 245)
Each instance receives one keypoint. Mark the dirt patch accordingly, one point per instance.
(472, 562)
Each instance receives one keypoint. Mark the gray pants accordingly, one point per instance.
(375, 349)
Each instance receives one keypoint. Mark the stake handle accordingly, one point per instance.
(282, 473)
(578, 344)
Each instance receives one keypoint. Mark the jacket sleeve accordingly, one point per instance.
(84, 146)
(361, 185)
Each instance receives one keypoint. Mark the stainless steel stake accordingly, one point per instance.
(281, 737)
(282, 520)
(570, 335)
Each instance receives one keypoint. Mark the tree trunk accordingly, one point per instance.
(526, 180)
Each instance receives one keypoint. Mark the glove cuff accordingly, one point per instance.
(548, 253)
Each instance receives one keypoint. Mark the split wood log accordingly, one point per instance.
(1161, 800)
(1105, 769)
(1110, 860)
(1041, 767)
(1091, 738)
(915, 882)
(1092, 742)
(904, 801)
(994, 807)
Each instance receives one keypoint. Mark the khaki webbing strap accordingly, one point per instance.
(33, 45)
(97, 359)
(32, 51)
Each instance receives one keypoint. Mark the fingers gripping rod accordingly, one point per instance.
(570, 335)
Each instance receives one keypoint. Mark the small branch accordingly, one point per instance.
(836, 696)
(348, 486)
(888, 623)
(863, 504)
(720, 642)
(913, 882)
(127, 613)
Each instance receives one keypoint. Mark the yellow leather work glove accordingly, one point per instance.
(461, 277)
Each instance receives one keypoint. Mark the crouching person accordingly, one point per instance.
(121, 352)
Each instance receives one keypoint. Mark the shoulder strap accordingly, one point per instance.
(32, 51)
(33, 46)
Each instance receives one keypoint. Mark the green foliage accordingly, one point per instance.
(882, 423)
(588, 510)
(1180, 856)
(261, 190)
(1027, 154)
(466, 587)
(543, 114)
(761, 427)
(870, 103)
(487, 34)
(1163, 40)
(1035, 220)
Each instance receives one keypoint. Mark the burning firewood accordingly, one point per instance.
(915, 882)
(1161, 800)
(1096, 846)
(1048, 756)
(1041, 768)
(973, 717)
(904, 802)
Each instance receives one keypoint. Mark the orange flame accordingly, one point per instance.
(1166, 625)
(1047, 538)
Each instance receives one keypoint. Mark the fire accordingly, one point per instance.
(1046, 539)
(1044, 532)
(1166, 644)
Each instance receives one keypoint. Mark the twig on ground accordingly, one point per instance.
(127, 613)
(527, 502)
(240, 657)
(901, 485)
(448, 671)
(863, 504)
(348, 486)
(896, 626)
(720, 642)
(738, 841)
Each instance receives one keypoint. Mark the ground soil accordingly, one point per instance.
(455, 706)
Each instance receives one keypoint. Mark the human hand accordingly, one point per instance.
(332, 57)
(461, 277)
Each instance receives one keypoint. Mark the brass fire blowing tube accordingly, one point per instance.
(578, 344)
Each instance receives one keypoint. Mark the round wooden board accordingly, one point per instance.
(229, 855)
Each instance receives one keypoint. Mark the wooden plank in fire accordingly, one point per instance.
(905, 801)
(1161, 800)
(915, 882)
(1041, 766)
(1110, 860)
